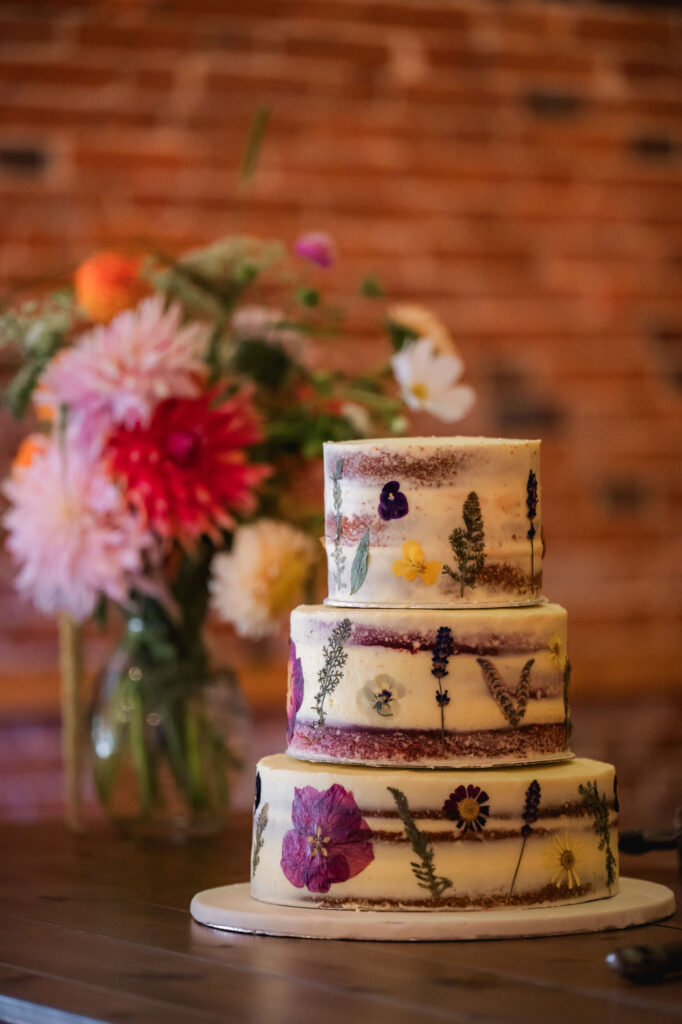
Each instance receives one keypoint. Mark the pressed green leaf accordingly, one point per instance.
(358, 570)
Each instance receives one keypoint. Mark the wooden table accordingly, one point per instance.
(95, 927)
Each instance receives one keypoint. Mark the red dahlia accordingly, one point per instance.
(187, 470)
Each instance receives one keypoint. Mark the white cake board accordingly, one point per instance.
(231, 908)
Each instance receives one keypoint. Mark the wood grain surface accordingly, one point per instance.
(98, 928)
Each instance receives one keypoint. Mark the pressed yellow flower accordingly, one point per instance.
(563, 857)
(413, 565)
(556, 650)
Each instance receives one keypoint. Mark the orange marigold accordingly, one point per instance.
(108, 283)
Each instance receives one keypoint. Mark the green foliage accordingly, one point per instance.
(209, 282)
(339, 557)
(567, 702)
(371, 288)
(38, 331)
(309, 297)
(258, 841)
(424, 869)
(254, 144)
(468, 545)
(599, 809)
(266, 364)
(399, 335)
(331, 673)
(358, 571)
(512, 705)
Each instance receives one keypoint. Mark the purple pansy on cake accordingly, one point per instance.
(294, 690)
(469, 807)
(392, 502)
(329, 841)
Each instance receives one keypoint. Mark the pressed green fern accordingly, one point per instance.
(331, 673)
(424, 869)
(468, 545)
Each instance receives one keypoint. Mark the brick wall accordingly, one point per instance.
(516, 166)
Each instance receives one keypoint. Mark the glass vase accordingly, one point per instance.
(168, 735)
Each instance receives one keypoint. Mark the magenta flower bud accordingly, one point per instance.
(316, 246)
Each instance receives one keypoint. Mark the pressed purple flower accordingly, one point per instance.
(294, 690)
(392, 502)
(532, 502)
(442, 698)
(530, 807)
(329, 842)
(316, 246)
(469, 807)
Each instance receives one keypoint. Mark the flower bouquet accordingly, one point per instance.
(175, 409)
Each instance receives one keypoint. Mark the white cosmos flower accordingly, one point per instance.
(428, 381)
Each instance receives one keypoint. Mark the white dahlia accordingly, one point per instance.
(263, 577)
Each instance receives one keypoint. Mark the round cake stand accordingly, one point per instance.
(231, 908)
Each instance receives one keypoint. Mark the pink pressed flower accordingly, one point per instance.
(118, 374)
(71, 534)
(330, 841)
(316, 246)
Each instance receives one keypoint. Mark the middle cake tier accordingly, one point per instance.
(428, 687)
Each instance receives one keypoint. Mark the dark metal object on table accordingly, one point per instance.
(645, 840)
(647, 964)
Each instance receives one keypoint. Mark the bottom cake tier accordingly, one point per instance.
(409, 839)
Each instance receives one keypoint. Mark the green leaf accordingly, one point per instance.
(358, 570)
(266, 364)
(371, 288)
(308, 297)
(399, 335)
(254, 143)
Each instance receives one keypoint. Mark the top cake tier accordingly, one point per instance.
(433, 522)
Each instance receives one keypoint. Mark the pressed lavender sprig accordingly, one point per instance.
(339, 557)
(530, 816)
(532, 507)
(443, 650)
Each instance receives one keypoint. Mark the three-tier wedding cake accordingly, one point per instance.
(428, 763)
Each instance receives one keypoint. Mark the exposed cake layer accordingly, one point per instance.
(433, 522)
(399, 839)
(428, 687)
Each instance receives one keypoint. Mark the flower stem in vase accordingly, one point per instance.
(142, 757)
(195, 761)
(71, 671)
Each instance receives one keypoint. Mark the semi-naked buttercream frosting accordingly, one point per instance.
(433, 522)
(401, 839)
(428, 687)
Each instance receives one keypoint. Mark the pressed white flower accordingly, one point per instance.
(424, 324)
(428, 381)
(263, 577)
(382, 695)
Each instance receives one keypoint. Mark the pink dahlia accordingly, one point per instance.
(187, 471)
(118, 373)
(330, 840)
(71, 533)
